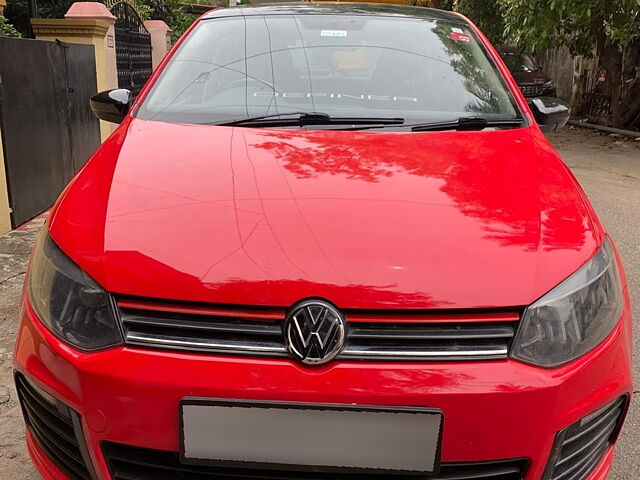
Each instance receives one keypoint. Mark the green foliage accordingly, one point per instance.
(539, 24)
(143, 9)
(576, 24)
(180, 19)
(6, 29)
(485, 14)
(17, 13)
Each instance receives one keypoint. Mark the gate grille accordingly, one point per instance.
(595, 104)
(133, 48)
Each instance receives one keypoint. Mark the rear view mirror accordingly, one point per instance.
(550, 113)
(111, 105)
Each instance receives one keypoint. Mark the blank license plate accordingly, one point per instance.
(299, 435)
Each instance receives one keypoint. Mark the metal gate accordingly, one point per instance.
(133, 47)
(595, 104)
(48, 130)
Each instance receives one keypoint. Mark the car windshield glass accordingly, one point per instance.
(418, 69)
(519, 62)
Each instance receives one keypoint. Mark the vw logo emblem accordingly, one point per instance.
(314, 332)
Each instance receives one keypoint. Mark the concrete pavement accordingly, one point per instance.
(608, 168)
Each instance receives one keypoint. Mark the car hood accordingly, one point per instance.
(364, 219)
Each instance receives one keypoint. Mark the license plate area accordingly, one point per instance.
(309, 436)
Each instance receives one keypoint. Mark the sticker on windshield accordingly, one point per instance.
(460, 37)
(333, 33)
(457, 30)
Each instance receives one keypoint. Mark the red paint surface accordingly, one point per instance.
(492, 410)
(366, 220)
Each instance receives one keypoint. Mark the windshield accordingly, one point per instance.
(420, 70)
(519, 62)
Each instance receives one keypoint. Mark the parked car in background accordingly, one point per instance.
(531, 79)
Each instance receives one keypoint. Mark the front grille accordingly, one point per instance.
(133, 463)
(56, 428)
(579, 448)
(531, 90)
(375, 335)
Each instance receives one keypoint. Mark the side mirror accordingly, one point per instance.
(550, 113)
(111, 105)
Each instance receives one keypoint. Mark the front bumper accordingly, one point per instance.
(493, 410)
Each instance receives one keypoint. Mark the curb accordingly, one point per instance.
(619, 131)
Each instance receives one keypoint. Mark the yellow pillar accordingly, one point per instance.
(5, 210)
(88, 23)
(3, 3)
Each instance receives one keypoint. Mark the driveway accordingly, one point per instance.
(608, 169)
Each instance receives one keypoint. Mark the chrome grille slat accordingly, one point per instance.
(204, 344)
(430, 332)
(253, 328)
(374, 336)
(426, 352)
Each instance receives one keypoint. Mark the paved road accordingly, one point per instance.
(609, 170)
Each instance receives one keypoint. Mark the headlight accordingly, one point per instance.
(574, 317)
(71, 304)
(549, 84)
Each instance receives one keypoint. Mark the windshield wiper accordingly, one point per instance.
(466, 123)
(309, 118)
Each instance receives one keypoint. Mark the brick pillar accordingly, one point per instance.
(160, 40)
(88, 23)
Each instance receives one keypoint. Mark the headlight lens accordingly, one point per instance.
(71, 304)
(574, 317)
(550, 84)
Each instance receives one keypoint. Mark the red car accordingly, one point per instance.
(327, 241)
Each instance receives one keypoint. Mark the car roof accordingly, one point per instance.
(336, 8)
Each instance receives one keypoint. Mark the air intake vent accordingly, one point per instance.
(371, 335)
(133, 463)
(579, 448)
(56, 428)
